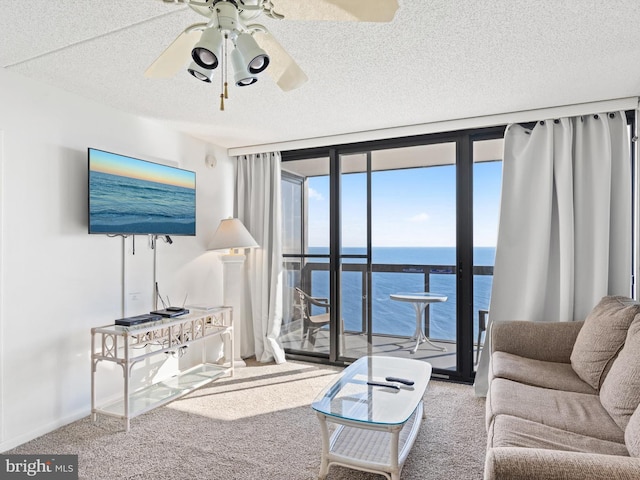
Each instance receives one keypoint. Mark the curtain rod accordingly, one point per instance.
(627, 103)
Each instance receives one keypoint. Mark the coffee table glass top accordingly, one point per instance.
(350, 397)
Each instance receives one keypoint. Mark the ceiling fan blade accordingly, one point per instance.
(337, 10)
(204, 11)
(175, 56)
(282, 68)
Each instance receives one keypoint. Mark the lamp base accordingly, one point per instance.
(233, 293)
(233, 258)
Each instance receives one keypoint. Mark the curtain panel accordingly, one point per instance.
(258, 206)
(564, 235)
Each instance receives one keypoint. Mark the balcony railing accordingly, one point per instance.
(389, 318)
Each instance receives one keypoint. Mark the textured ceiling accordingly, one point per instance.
(438, 60)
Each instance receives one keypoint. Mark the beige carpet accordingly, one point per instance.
(259, 425)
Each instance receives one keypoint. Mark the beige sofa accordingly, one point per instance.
(563, 397)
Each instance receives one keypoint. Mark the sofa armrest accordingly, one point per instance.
(547, 341)
(515, 463)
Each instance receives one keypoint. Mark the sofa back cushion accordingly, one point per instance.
(601, 338)
(620, 392)
(632, 434)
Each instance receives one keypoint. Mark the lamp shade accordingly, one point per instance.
(231, 233)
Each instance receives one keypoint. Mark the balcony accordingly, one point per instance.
(393, 324)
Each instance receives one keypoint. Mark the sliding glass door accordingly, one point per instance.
(398, 236)
(487, 181)
(372, 229)
(306, 226)
(353, 262)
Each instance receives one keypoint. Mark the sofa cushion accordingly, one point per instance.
(558, 376)
(546, 341)
(602, 337)
(632, 434)
(580, 413)
(509, 431)
(514, 463)
(620, 392)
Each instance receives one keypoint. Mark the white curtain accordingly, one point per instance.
(258, 201)
(564, 238)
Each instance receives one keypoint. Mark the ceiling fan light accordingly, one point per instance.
(200, 73)
(244, 82)
(258, 63)
(242, 77)
(255, 57)
(207, 51)
(205, 58)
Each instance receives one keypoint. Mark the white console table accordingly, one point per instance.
(127, 346)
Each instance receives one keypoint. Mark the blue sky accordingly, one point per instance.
(410, 208)
(123, 166)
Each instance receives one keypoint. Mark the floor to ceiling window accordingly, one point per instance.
(366, 224)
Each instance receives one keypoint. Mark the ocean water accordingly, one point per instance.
(393, 317)
(128, 205)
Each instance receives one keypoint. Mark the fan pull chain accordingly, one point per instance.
(226, 65)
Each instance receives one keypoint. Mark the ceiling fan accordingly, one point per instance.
(252, 48)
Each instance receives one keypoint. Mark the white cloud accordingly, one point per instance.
(421, 217)
(315, 195)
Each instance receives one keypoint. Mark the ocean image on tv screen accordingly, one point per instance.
(131, 196)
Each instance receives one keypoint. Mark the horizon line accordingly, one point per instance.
(403, 246)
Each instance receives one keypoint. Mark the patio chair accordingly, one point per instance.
(311, 323)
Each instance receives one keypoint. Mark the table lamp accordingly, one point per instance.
(233, 235)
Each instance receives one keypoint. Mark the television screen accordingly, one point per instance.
(136, 197)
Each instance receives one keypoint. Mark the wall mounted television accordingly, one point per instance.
(129, 196)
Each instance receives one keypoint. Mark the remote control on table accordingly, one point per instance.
(382, 384)
(400, 380)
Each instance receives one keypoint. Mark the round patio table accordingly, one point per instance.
(420, 301)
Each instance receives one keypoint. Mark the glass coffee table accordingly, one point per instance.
(378, 416)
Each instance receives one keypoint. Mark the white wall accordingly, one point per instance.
(56, 280)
